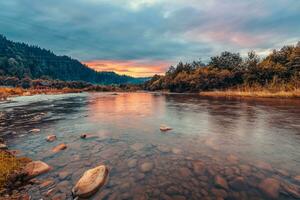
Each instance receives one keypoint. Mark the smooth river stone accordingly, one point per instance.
(36, 168)
(90, 182)
(59, 148)
(51, 138)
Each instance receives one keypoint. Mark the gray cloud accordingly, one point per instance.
(150, 29)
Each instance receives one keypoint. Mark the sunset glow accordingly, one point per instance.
(135, 68)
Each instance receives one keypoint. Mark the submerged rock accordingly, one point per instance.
(176, 151)
(264, 165)
(291, 189)
(90, 182)
(199, 167)
(36, 168)
(137, 146)
(51, 138)
(131, 163)
(146, 167)
(297, 178)
(59, 148)
(221, 182)
(270, 187)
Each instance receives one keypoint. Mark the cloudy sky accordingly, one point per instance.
(144, 37)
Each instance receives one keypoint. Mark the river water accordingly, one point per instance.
(241, 142)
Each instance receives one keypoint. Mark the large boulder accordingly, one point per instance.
(90, 182)
(36, 168)
(59, 148)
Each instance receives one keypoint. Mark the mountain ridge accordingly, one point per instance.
(21, 60)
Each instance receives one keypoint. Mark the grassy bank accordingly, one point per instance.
(260, 92)
(9, 165)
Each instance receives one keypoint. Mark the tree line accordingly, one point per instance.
(230, 70)
(23, 61)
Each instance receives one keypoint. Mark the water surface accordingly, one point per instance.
(242, 141)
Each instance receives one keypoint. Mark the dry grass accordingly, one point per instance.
(6, 92)
(10, 164)
(260, 92)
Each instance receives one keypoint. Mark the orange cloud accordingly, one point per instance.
(136, 68)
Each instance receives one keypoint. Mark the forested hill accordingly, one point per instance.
(21, 60)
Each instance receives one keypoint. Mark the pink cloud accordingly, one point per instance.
(136, 68)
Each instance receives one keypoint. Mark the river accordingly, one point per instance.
(243, 142)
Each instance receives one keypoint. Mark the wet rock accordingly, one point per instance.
(270, 187)
(238, 184)
(35, 130)
(63, 186)
(90, 182)
(264, 165)
(3, 146)
(282, 172)
(221, 182)
(291, 190)
(297, 178)
(63, 175)
(36, 168)
(51, 138)
(132, 163)
(46, 183)
(164, 128)
(59, 148)
(146, 167)
(199, 167)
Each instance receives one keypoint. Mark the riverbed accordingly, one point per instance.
(217, 148)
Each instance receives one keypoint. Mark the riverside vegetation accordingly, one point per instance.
(277, 75)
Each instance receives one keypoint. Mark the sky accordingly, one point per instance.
(144, 37)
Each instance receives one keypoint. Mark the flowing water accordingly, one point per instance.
(241, 142)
